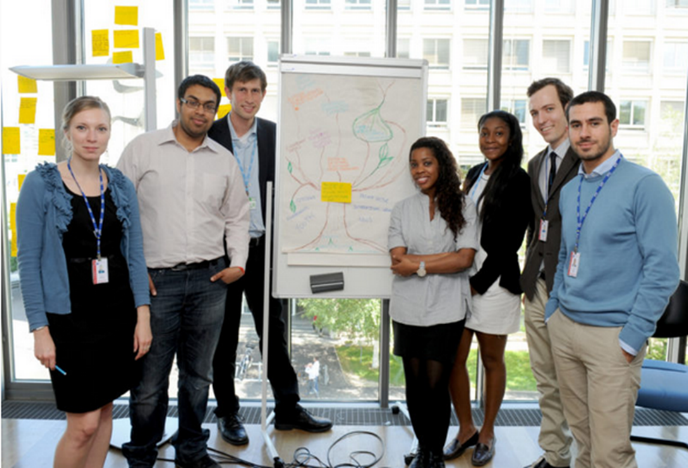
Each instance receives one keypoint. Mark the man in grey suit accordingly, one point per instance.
(549, 171)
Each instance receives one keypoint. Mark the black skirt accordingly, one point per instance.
(436, 343)
(94, 343)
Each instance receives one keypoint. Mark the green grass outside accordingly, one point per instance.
(358, 360)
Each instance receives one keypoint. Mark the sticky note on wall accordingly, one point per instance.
(159, 51)
(123, 57)
(337, 192)
(13, 228)
(100, 40)
(220, 82)
(46, 142)
(27, 110)
(223, 110)
(127, 39)
(20, 181)
(128, 15)
(26, 85)
(11, 143)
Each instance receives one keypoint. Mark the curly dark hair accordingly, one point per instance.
(448, 186)
(492, 195)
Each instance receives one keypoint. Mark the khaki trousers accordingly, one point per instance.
(555, 438)
(598, 391)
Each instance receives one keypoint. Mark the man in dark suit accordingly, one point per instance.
(252, 142)
(549, 171)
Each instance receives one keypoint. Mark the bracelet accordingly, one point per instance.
(243, 272)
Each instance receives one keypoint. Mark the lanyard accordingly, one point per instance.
(97, 229)
(247, 175)
(477, 181)
(592, 200)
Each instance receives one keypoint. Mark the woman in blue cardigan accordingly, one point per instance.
(84, 281)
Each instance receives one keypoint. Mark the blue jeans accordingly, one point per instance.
(186, 319)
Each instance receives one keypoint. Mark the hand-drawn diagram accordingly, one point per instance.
(352, 129)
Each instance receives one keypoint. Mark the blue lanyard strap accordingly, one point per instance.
(246, 175)
(97, 229)
(592, 200)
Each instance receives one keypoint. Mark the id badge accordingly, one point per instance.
(544, 224)
(252, 203)
(574, 261)
(100, 270)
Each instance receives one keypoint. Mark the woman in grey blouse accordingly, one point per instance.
(432, 241)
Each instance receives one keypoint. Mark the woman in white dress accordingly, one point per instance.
(432, 242)
(501, 190)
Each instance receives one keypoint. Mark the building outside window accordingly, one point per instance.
(636, 56)
(239, 48)
(357, 4)
(676, 56)
(202, 4)
(477, 4)
(632, 114)
(471, 110)
(273, 53)
(475, 53)
(274, 4)
(403, 47)
(516, 54)
(437, 4)
(437, 113)
(436, 52)
(318, 4)
(201, 53)
(556, 55)
(516, 107)
(241, 4)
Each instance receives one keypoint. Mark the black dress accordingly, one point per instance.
(95, 342)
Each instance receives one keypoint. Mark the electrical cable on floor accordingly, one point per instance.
(303, 456)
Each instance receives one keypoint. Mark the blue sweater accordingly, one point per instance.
(44, 212)
(628, 253)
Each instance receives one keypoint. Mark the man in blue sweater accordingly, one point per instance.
(617, 269)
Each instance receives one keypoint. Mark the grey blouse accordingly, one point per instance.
(436, 298)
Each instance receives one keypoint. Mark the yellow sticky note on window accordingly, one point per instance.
(159, 51)
(46, 142)
(11, 143)
(220, 82)
(338, 192)
(20, 181)
(123, 57)
(100, 39)
(127, 39)
(223, 110)
(128, 15)
(26, 85)
(13, 228)
(27, 110)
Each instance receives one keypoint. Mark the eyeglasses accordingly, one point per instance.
(209, 107)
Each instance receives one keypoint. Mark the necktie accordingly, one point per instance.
(552, 171)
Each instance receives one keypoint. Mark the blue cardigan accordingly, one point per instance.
(43, 213)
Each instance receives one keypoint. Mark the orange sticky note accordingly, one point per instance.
(220, 82)
(128, 15)
(20, 181)
(11, 142)
(13, 228)
(27, 110)
(100, 39)
(223, 110)
(46, 142)
(123, 57)
(127, 39)
(338, 192)
(159, 51)
(26, 85)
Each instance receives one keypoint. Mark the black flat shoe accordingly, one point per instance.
(300, 418)
(482, 454)
(232, 429)
(454, 449)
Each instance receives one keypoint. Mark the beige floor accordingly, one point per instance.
(30, 444)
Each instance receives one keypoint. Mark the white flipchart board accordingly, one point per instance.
(344, 130)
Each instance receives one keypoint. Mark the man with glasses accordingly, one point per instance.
(191, 197)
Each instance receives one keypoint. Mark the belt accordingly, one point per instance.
(255, 241)
(194, 266)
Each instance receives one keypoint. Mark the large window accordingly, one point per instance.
(636, 56)
(516, 55)
(475, 52)
(676, 56)
(202, 53)
(436, 52)
(556, 56)
(239, 48)
(437, 113)
(632, 114)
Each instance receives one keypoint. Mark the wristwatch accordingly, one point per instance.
(421, 270)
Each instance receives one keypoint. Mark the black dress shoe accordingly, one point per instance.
(301, 419)
(542, 463)
(232, 429)
(436, 461)
(482, 454)
(205, 462)
(454, 449)
(421, 460)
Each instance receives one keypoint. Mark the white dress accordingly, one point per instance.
(498, 311)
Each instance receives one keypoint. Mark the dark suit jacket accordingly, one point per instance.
(267, 135)
(548, 250)
(502, 235)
